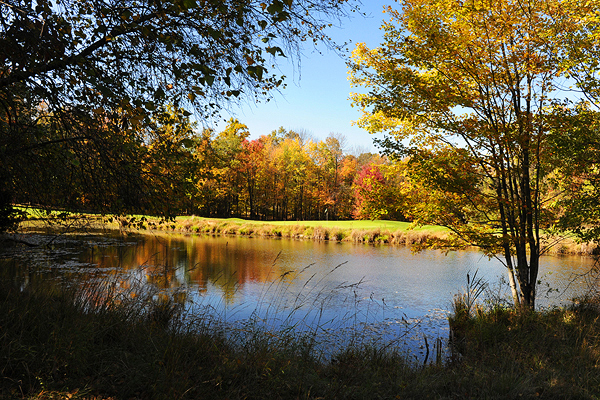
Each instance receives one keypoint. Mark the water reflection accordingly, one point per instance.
(386, 290)
(171, 261)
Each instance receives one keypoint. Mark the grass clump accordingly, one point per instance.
(339, 235)
(510, 353)
(246, 230)
(321, 233)
(308, 232)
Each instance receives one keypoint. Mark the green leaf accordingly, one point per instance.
(105, 90)
(275, 8)
(198, 90)
(126, 15)
(187, 4)
(274, 50)
(282, 16)
(159, 94)
(187, 143)
(256, 71)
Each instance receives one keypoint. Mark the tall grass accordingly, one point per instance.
(520, 353)
(105, 339)
(97, 341)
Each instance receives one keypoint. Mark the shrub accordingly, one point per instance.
(308, 232)
(246, 230)
(339, 235)
(320, 233)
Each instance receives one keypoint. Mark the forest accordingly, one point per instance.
(283, 175)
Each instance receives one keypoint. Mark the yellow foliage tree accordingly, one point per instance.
(465, 88)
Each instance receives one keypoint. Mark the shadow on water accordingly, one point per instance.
(337, 294)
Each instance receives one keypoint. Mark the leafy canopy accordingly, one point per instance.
(467, 90)
(134, 54)
(84, 86)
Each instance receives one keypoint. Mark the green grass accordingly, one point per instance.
(35, 213)
(348, 225)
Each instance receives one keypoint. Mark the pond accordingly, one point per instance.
(339, 292)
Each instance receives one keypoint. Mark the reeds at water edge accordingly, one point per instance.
(120, 339)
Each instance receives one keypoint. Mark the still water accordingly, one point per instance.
(326, 288)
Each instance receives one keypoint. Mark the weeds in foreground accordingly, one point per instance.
(553, 353)
(99, 343)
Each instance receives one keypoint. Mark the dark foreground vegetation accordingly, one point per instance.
(90, 344)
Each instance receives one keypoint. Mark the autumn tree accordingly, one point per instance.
(221, 168)
(328, 156)
(575, 137)
(113, 64)
(347, 173)
(201, 197)
(576, 130)
(252, 161)
(168, 164)
(277, 177)
(381, 192)
(466, 90)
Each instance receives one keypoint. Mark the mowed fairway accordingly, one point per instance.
(392, 226)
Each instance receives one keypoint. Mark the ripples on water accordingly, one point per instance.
(338, 293)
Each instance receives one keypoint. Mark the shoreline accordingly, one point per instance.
(382, 232)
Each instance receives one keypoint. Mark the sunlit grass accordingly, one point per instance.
(355, 224)
(375, 232)
(357, 231)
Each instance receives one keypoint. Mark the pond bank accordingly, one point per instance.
(369, 232)
(374, 232)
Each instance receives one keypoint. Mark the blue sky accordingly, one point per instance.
(316, 97)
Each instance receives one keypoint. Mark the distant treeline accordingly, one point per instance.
(168, 166)
(283, 176)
